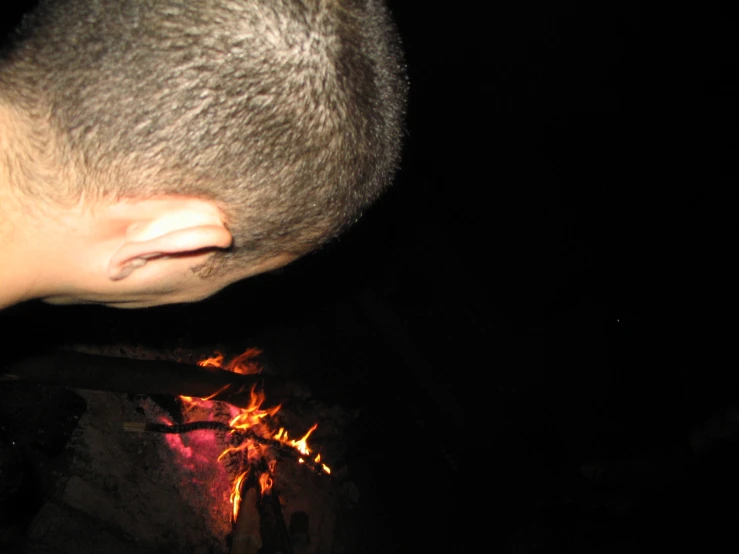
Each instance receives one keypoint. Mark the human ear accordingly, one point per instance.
(171, 239)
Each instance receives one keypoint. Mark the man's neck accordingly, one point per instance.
(20, 260)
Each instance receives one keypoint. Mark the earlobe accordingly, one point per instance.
(190, 241)
(121, 271)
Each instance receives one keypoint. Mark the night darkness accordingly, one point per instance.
(537, 322)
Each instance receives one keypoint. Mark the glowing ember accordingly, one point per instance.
(254, 419)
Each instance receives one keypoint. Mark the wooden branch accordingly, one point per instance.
(274, 532)
(283, 535)
(282, 449)
(246, 538)
(107, 373)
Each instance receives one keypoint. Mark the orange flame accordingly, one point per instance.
(265, 482)
(244, 363)
(252, 414)
(214, 361)
(235, 497)
(219, 391)
(301, 444)
(251, 417)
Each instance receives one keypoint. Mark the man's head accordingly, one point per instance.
(232, 135)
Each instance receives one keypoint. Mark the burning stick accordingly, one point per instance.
(272, 528)
(108, 373)
(283, 449)
(247, 426)
(246, 538)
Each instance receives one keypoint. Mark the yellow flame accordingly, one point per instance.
(214, 361)
(302, 444)
(249, 417)
(265, 482)
(244, 363)
(232, 449)
(235, 498)
(219, 391)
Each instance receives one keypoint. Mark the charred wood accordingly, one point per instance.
(107, 373)
(282, 449)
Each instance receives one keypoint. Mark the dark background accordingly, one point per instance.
(548, 283)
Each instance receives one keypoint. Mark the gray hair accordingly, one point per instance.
(287, 113)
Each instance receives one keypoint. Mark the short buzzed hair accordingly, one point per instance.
(287, 113)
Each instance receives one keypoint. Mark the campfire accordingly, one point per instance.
(256, 444)
(229, 440)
